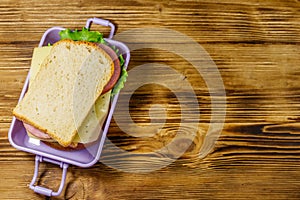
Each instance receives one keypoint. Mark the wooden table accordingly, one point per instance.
(255, 46)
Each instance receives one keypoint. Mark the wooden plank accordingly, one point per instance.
(252, 21)
(255, 45)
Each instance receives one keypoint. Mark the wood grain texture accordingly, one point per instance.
(256, 46)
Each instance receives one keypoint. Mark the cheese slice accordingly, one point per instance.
(92, 125)
(39, 54)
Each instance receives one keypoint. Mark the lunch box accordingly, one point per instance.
(82, 158)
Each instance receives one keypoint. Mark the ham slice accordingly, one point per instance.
(36, 132)
(117, 69)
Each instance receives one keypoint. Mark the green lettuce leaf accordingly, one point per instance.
(122, 61)
(120, 84)
(83, 35)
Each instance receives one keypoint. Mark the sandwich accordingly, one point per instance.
(70, 87)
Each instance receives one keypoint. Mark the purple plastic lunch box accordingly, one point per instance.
(83, 158)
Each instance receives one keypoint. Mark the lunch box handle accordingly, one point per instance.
(46, 191)
(102, 22)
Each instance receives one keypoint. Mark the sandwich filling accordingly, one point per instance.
(60, 96)
(70, 88)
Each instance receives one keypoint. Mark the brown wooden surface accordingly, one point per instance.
(256, 46)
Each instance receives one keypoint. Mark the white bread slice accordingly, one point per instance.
(89, 130)
(67, 85)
